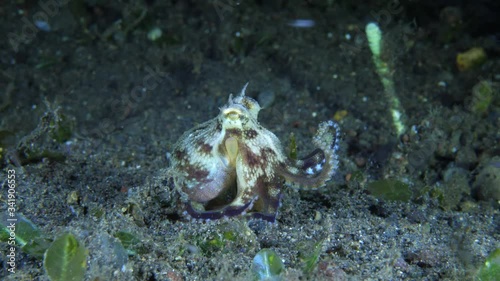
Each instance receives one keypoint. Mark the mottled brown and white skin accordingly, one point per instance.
(231, 165)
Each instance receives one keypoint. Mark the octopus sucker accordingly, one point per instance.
(232, 166)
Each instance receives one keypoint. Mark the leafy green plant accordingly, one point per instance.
(490, 270)
(130, 243)
(227, 237)
(390, 189)
(311, 256)
(267, 265)
(65, 260)
(27, 236)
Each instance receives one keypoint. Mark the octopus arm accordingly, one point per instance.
(318, 167)
(268, 201)
(228, 211)
(258, 184)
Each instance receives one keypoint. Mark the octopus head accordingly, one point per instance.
(240, 112)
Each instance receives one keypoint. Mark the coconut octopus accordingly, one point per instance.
(231, 165)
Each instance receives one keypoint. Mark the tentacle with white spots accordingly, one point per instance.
(318, 167)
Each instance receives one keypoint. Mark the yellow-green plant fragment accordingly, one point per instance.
(310, 259)
(482, 96)
(129, 241)
(230, 235)
(65, 260)
(390, 189)
(293, 147)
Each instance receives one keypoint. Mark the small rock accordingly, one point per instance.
(487, 182)
(424, 258)
(328, 270)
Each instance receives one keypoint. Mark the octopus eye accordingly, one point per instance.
(232, 114)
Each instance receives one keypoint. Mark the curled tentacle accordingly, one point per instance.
(317, 168)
